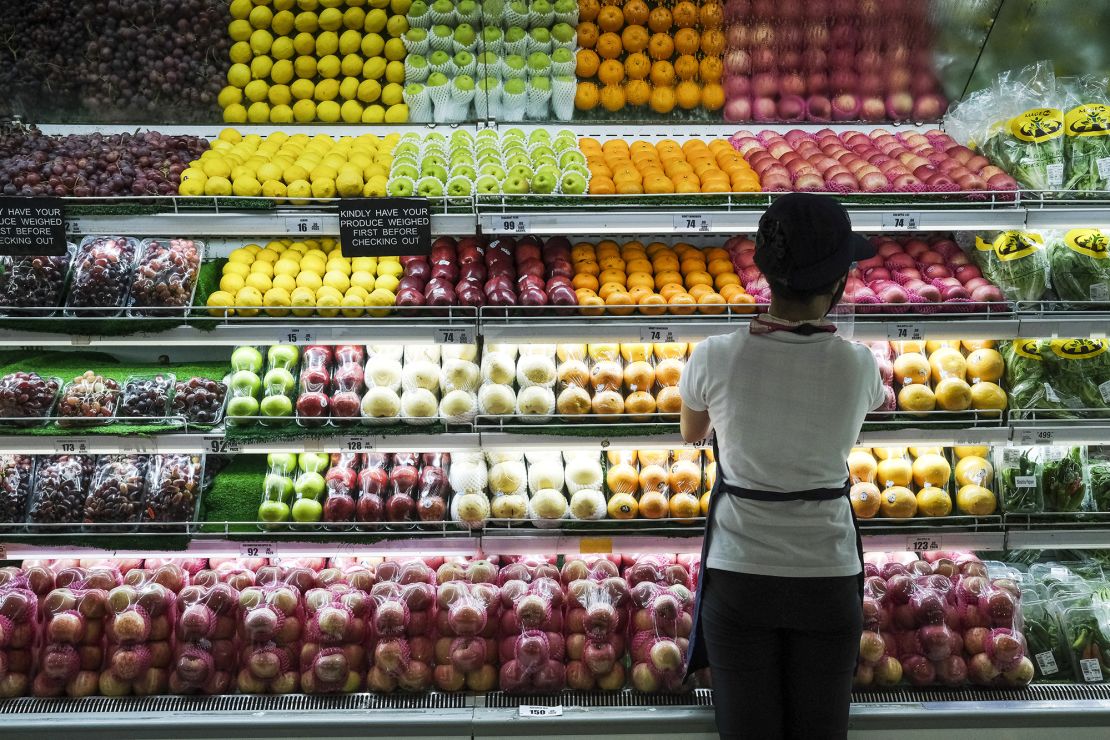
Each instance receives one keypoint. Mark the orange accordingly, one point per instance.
(865, 498)
(718, 266)
(698, 278)
(587, 267)
(725, 279)
(662, 99)
(634, 38)
(670, 291)
(699, 290)
(588, 34)
(629, 187)
(715, 253)
(595, 304)
(711, 303)
(663, 278)
(640, 280)
(610, 18)
(692, 264)
(658, 184)
(610, 287)
(662, 73)
(609, 46)
(711, 15)
(686, 41)
(682, 304)
(660, 46)
(728, 291)
(713, 42)
(716, 186)
(582, 280)
(583, 292)
(636, 66)
(665, 263)
(619, 304)
(712, 96)
(685, 14)
(587, 63)
(601, 185)
(612, 276)
(637, 92)
(637, 263)
(588, 9)
(611, 72)
(686, 67)
(638, 292)
(741, 302)
(652, 304)
(711, 69)
(659, 20)
(612, 263)
(586, 96)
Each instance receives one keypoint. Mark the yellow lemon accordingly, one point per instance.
(218, 303)
(309, 280)
(375, 187)
(299, 189)
(259, 282)
(364, 280)
(303, 301)
(248, 297)
(364, 264)
(191, 187)
(314, 263)
(286, 266)
(262, 268)
(323, 188)
(328, 111)
(971, 451)
(934, 502)
(276, 301)
(273, 189)
(976, 500)
(387, 282)
(353, 306)
(338, 265)
(216, 168)
(247, 187)
(337, 280)
(380, 297)
(288, 283)
(974, 470)
(232, 283)
(328, 304)
(373, 114)
(390, 268)
(241, 269)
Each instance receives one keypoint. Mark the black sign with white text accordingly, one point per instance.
(32, 226)
(376, 227)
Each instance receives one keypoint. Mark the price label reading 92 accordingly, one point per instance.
(256, 550)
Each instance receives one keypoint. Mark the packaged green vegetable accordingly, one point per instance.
(1026, 378)
(1019, 487)
(1060, 472)
(1087, 629)
(1098, 475)
(1080, 263)
(1087, 135)
(1048, 648)
(1077, 375)
(1031, 144)
(1016, 262)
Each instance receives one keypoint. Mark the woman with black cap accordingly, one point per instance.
(778, 615)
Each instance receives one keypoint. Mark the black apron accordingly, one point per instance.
(699, 658)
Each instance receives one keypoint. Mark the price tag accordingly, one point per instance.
(138, 445)
(1036, 437)
(76, 227)
(531, 710)
(1055, 175)
(902, 221)
(1025, 481)
(221, 445)
(905, 330)
(256, 550)
(700, 444)
(595, 545)
(454, 335)
(1046, 661)
(507, 223)
(1104, 391)
(1092, 671)
(296, 336)
(1103, 164)
(297, 225)
(693, 222)
(656, 334)
(71, 445)
(922, 543)
(81, 340)
(357, 444)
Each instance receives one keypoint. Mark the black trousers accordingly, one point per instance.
(782, 653)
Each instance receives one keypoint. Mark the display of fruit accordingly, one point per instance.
(26, 395)
(900, 482)
(662, 602)
(881, 161)
(468, 617)
(654, 484)
(19, 605)
(32, 282)
(165, 275)
(173, 488)
(634, 381)
(146, 397)
(102, 270)
(651, 54)
(940, 621)
(938, 375)
(204, 659)
(140, 623)
(297, 166)
(199, 400)
(617, 167)
(341, 61)
(596, 624)
(532, 646)
(61, 484)
(88, 399)
(401, 646)
(656, 279)
(269, 624)
(818, 62)
(72, 654)
(16, 473)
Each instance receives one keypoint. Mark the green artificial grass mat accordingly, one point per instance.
(234, 497)
(69, 364)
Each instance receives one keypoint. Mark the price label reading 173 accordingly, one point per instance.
(902, 221)
(256, 550)
(509, 224)
(922, 544)
(692, 222)
(71, 445)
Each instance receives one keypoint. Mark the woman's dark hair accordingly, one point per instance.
(771, 240)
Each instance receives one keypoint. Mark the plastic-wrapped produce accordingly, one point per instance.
(199, 400)
(309, 487)
(404, 478)
(166, 276)
(659, 632)
(87, 400)
(269, 626)
(341, 484)
(205, 657)
(468, 478)
(61, 485)
(347, 385)
(313, 386)
(72, 654)
(174, 488)
(333, 657)
(508, 487)
(146, 396)
(102, 272)
(373, 484)
(16, 472)
(596, 623)
(466, 649)
(140, 623)
(27, 396)
(19, 607)
(533, 650)
(118, 491)
(401, 627)
(33, 282)
(433, 487)
(278, 384)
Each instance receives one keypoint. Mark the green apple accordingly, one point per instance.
(493, 170)
(515, 34)
(277, 487)
(435, 137)
(429, 187)
(283, 355)
(513, 133)
(464, 83)
(281, 462)
(442, 31)
(443, 7)
(573, 183)
(538, 61)
(465, 34)
(416, 35)
(273, 512)
(416, 61)
(306, 510)
(519, 158)
(313, 462)
(539, 136)
(541, 36)
(515, 185)
(279, 380)
(581, 169)
(246, 358)
(310, 484)
(520, 172)
(518, 6)
(514, 87)
(434, 170)
(404, 170)
(242, 406)
(549, 169)
(466, 8)
(487, 185)
(488, 134)
(276, 405)
(487, 59)
(413, 89)
(540, 83)
(559, 144)
(463, 59)
(245, 383)
(461, 135)
(491, 34)
(542, 150)
(563, 33)
(435, 79)
(400, 187)
(463, 170)
(562, 7)
(459, 187)
(514, 62)
(571, 156)
(417, 9)
(544, 182)
(405, 147)
(543, 160)
(562, 55)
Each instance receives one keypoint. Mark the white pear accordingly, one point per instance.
(496, 400)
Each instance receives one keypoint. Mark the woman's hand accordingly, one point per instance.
(694, 425)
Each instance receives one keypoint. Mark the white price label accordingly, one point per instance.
(454, 335)
(1099, 292)
(220, 445)
(1055, 174)
(905, 330)
(1025, 481)
(81, 340)
(138, 445)
(531, 710)
(256, 550)
(76, 227)
(922, 543)
(902, 221)
(1046, 661)
(295, 336)
(1092, 671)
(507, 223)
(656, 334)
(304, 225)
(1036, 437)
(693, 222)
(71, 445)
(1103, 164)
(357, 444)
(1104, 391)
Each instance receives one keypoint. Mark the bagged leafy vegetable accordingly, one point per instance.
(1047, 647)
(1080, 263)
(1025, 378)
(1019, 489)
(1077, 374)
(1015, 261)
(1030, 145)
(1087, 134)
(1060, 471)
(1098, 474)
(1088, 631)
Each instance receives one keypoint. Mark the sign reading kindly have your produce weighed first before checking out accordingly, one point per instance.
(378, 227)
(32, 226)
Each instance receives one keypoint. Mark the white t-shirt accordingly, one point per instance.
(787, 410)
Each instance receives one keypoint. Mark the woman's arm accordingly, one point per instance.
(693, 424)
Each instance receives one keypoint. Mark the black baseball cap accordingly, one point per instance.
(805, 241)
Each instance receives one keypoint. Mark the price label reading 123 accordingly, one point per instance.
(509, 224)
(256, 550)
(692, 222)
(531, 710)
(922, 544)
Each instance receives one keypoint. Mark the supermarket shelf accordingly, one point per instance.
(1085, 531)
(1045, 216)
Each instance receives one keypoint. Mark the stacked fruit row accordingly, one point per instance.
(666, 167)
(338, 62)
(882, 478)
(590, 379)
(937, 375)
(657, 484)
(650, 54)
